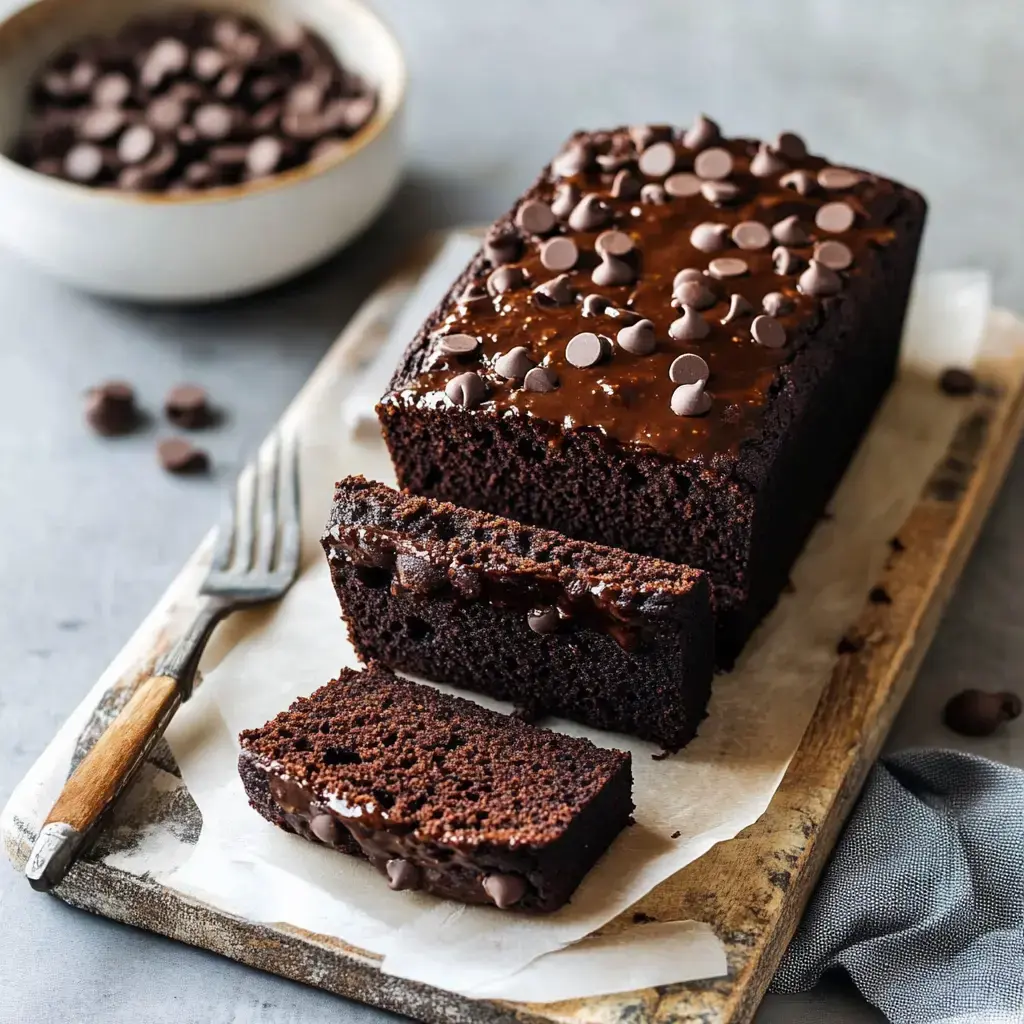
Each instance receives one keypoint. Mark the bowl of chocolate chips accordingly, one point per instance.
(168, 153)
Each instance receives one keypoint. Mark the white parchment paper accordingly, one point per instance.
(718, 785)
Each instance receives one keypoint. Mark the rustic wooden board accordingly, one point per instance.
(751, 889)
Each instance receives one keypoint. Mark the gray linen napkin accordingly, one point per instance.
(923, 901)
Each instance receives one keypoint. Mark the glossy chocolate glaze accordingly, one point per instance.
(628, 397)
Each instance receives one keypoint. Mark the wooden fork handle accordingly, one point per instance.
(100, 777)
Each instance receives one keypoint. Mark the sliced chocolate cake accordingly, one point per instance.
(439, 793)
(611, 639)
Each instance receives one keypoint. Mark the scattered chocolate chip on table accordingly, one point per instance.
(980, 713)
(178, 455)
(188, 406)
(110, 408)
(188, 100)
(955, 381)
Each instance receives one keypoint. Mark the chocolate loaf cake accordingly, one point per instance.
(672, 344)
(438, 793)
(611, 639)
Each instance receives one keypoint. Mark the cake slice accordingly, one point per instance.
(614, 640)
(439, 793)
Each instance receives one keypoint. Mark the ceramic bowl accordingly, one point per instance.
(203, 246)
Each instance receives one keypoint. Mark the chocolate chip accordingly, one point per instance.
(835, 217)
(818, 280)
(751, 235)
(595, 305)
(682, 185)
(789, 231)
(264, 156)
(693, 292)
(657, 160)
(791, 146)
(165, 113)
(709, 237)
(556, 292)
(836, 178)
(625, 186)
(980, 713)
(879, 595)
(786, 261)
(689, 368)
(506, 279)
(702, 133)
(458, 346)
(544, 620)
(644, 135)
(653, 194)
(767, 331)
(691, 400)
(136, 144)
(177, 455)
(765, 163)
(587, 349)
(614, 243)
(802, 181)
(687, 274)
(207, 63)
(738, 307)
(540, 379)
(955, 381)
(110, 408)
(713, 164)
(690, 326)
(723, 267)
(504, 890)
(535, 217)
(576, 158)
(776, 304)
(102, 124)
(188, 406)
(325, 828)
(467, 389)
(402, 875)
(559, 254)
(83, 162)
(719, 193)
(111, 89)
(515, 364)
(501, 246)
(613, 271)
(591, 213)
(833, 254)
(638, 339)
(472, 293)
(566, 197)
(167, 57)
(418, 575)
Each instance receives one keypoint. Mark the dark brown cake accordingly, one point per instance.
(438, 793)
(548, 387)
(615, 640)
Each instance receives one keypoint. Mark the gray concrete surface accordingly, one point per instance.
(92, 531)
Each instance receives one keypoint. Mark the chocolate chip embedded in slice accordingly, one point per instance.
(188, 406)
(738, 307)
(515, 364)
(786, 261)
(110, 408)
(506, 279)
(702, 133)
(559, 254)
(177, 455)
(612, 271)
(709, 237)
(540, 379)
(801, 181)
(682, 185)
(767, 331)
(766, 162)
(955, 381)
(595, 305)
(644, 135)
(544, 620)
(836, 178)
(576, 158)
(689, 368)
(791, 146)
(833, 254)
(458, 346)
(693, 292)
(653, 194)
(638, 339)
(751, 235)
(723, 267)
(818, 280)
(587, 349)
(403, 875)
(556, 292)
(689, 326)
(835, 217)
(566, 197)
(591, 213)
(625, 185)
(713, 164)
(467, 389)
(504, 890)
(691, 400)
(501, 246)
(614, 243)
(535, 217)
(789, 231)
(325, 828)
(719, 193)
(657, 160)
(776, 304)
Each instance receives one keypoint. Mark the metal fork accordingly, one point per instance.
(255, 559)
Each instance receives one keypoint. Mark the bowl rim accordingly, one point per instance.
(382, 118)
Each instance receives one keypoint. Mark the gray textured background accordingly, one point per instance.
(92, 531)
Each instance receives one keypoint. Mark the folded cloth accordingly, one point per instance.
(923, 901)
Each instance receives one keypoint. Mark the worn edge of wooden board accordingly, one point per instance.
(753, 888)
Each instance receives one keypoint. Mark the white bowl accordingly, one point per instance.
(204, 246)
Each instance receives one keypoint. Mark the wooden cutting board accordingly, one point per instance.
(751, 889)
